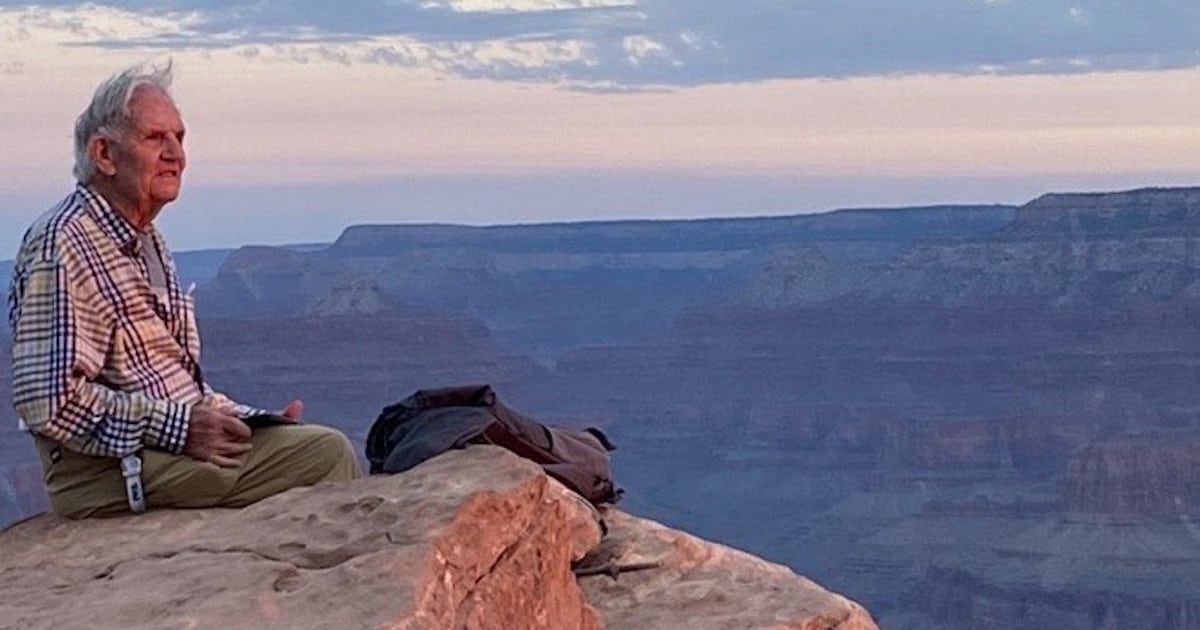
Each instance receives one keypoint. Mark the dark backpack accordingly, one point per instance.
(433, 421)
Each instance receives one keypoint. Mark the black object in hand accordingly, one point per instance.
(260, 420)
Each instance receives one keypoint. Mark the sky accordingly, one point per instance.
(306, 116)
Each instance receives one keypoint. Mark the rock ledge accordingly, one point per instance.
(475, 539)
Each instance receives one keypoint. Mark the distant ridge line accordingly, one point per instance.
(691, 221)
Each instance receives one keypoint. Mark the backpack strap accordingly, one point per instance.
(131, 470)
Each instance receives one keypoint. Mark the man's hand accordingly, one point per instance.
(294, 410)
(215, 436)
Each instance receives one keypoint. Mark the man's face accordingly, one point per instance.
(149, 157)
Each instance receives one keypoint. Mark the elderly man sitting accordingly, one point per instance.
(106, 352)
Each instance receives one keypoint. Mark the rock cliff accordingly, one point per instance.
(347, 367)
(1083, 251)
(475, 539)
(882, 398)
(923, 418)
(1147, 211)
(544, 288)
(1151, 475)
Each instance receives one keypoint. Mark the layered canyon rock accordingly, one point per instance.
(1085, 251)
(1147, 211)
(545, 288)
(1151, 475)
(472, 539)
(347, 367)
(20, 474)
(1075, 571)
(925, 409)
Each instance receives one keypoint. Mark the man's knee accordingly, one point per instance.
(334, 455)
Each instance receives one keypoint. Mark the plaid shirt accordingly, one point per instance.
(99, 362)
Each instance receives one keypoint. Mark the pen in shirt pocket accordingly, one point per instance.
(191, 289)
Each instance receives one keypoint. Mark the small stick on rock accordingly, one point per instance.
(614, 570)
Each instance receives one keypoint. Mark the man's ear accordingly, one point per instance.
(100, 149)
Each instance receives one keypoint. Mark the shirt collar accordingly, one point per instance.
(112, 223)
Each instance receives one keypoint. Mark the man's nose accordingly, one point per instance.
(174, 149)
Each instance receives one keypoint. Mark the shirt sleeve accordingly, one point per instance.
(55, 369)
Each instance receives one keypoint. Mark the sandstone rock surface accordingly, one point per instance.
(474, 539)
(470, 540)
(706, 586)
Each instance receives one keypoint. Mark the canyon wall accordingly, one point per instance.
(961, 416)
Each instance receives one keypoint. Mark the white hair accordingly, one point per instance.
(108, 113)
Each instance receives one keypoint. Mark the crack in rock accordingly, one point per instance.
(167, 555)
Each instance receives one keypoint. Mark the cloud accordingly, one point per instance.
(654, 43)
(526, 5)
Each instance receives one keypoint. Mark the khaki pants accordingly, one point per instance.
(281, 457)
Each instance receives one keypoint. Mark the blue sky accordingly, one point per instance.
(307, 115)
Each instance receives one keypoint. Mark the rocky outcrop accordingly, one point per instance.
(702, 586)
(257, 281)
(1085, 251)
(352, 296)
(1155, 474)
(475, 539)
(1084, 572)
(804, 276)
(960, 599)
(1147, 211)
